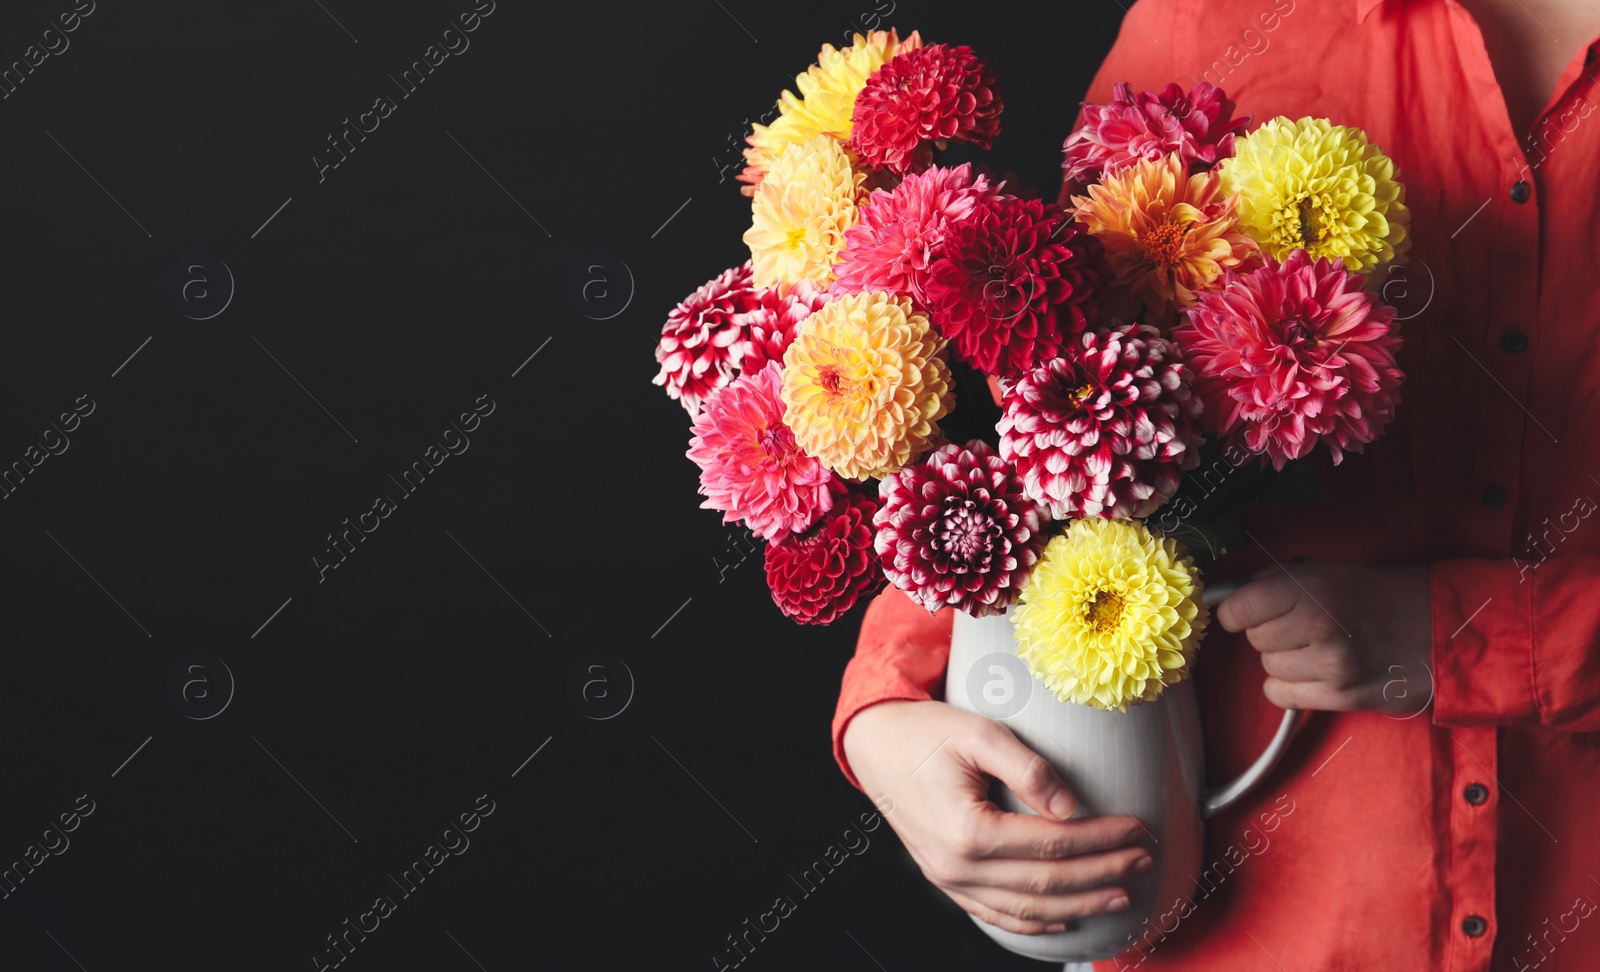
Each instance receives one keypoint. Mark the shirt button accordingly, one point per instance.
(1476, 793)
(1514, 341)
(1495, 497)
(1474, 925)
(1521, 191)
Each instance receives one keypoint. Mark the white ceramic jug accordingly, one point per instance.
(1147, 762)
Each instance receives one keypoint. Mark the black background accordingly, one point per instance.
(398, 290)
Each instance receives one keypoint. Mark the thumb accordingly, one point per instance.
(998, 753)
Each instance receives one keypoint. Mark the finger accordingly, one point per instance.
(1051, 908)
(1300, 665)
(994, 751)
(1283, 633)
(1258, 602)
(1085, 873)
(988, 915)
(995, 833)
(1309, 695)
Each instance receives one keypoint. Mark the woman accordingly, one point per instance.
(1436, 814)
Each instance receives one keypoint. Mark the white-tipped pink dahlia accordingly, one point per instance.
(1104, 429)
(703, 339)
(957, 530)
(899, 232)
(1294, 353)
(771, 326)
(750, 467)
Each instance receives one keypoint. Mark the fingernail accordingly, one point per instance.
(1055, 927)
(1062, 805)
(1144, 863)
(1117, 904)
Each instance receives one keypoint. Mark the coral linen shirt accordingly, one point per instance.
(1465, 838)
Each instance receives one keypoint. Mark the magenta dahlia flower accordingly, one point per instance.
(1104, 429)
(933, 93)
(703, 339)
(817, 576)
(1294, 353)
(900, 232)
(1198, 126)
(1014, 282)
(750, 467)
(957, 530)
(771, 326)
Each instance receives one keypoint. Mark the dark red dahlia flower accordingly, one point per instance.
(1104, 429)
(957, 530)
(1015, 281)
(819, 575)
(770, 328)
(933, 93)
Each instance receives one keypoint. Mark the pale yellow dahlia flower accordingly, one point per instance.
(865, 383)
(1111, 614)
(800, 214)
(826, 101)
(1167, 234)
(1315, 186)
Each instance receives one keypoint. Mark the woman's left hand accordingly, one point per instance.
(1339, 636)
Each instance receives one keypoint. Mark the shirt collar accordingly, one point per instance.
(1364, 7)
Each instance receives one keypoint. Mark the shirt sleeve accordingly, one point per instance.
(1514, 642)
(901, 653)
(902, 650)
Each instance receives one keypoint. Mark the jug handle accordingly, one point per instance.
(1216, 798)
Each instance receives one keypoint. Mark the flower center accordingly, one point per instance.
(1309, 233)
(1163, 244)
(1300, 334)
(965, 533)
(1080, 394)
(796, 236)
(1104, 611)
(771, 441)
(830, 379)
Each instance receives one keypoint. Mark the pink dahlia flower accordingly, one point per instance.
(1199, 126)
(750, 467)
(1014, 282)
(1104, 429)
(934, 93)
(817, 576)
(900, 232)
(1294, 353)
(703, 339)
(771, 326)
(957, 530)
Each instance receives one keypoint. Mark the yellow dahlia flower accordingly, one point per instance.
(800, 214)
(827, 98)
(865, 383)
(1111, 614)
(1315, 186)
(1166, 233)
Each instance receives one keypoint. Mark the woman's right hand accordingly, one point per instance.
(933, 763)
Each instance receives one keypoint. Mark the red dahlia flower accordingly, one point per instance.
(1293, 353)
(1198, 126)
(1104, 429)
(957, 530)
(1015, 281)
(819, 575)
(933, 93)
(704, 337)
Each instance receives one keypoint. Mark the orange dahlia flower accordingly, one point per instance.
(1167, 235)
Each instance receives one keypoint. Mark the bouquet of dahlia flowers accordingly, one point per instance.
(1167, 345)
